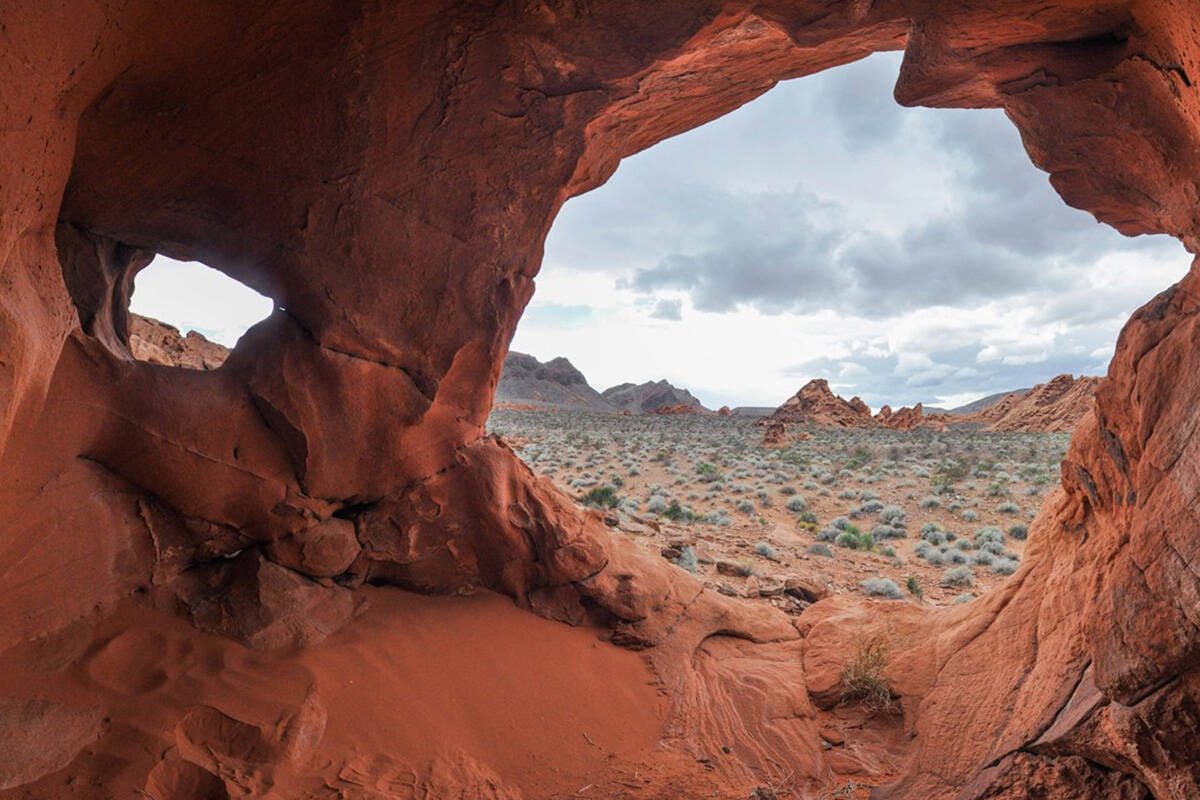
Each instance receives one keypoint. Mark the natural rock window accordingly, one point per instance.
(187, 314)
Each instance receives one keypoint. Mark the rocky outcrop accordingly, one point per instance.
(816, 404)
(904, 419)
(976, 406)
(650, 397)
(556, 383)
(160, 343)
(1058, 405)
(387, 175)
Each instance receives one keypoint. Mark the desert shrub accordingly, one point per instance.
(796, 504)
(827, 534)
(889, 552)
(787, 490)
(869, 507)
(1004, 566)
(1008, 508)
(657, 504)
(930, 526)
(840, 523)
(934, 536)
(935, 557)
(965, 597)
(854, 539)
(929, 502)
(718, 518)
(881, 587)
(1019, 532)
(893, 515)
(678, 513)
(958, 576)
(766, 551)
(988, 534)
(687, 560)
(913, 584)
(862, 676)
(964, 544)
(881, 532)
(601, 497)
(820, 549)
(995, 548)
(955, 556)
(745, 507)
(969, 516)
(807, 517)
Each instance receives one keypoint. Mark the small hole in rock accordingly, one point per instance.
(187, 314)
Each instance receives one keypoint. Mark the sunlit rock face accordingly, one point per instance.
(387, 176)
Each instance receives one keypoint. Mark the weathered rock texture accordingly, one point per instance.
(160, 343)
(816, 404)
(387, 174)
(1057, 405)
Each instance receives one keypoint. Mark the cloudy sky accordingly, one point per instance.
(824, 231)
(820, 231)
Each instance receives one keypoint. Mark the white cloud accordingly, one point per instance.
(192, 296)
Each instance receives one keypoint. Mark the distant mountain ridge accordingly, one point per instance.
(557, 383)
(651, 396)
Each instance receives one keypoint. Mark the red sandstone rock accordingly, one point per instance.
(159, 343)
(816, 404)
(387, 176)
(1058, 405)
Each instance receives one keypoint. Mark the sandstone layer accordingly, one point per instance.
(1057, 405)
(387, 174)
(160, 343)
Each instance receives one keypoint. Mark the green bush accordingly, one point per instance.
(601, 497)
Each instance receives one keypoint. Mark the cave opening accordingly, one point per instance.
(188, 314)
(909, 257)
(822, 230)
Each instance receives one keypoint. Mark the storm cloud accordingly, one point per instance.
(916, 254)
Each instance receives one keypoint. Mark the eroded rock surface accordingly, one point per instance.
(1057, 405)
(387, 175)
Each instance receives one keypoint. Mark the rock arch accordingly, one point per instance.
(387, 174)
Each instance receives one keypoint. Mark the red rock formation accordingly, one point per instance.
(816, 404)
(160, 343)
(678, 408)
(906, 419)
(1058, 405)
(387, 174)
(776, 435)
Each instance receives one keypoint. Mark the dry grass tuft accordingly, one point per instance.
(862, 677)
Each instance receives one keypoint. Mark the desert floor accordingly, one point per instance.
(913, 516)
